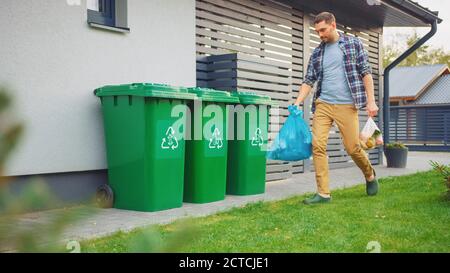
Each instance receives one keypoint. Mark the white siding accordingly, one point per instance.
(53, 60)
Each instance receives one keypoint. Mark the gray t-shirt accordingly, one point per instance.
(335, 89)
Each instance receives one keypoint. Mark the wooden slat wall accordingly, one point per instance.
(236, 71)
(268, 37)
(338, 157)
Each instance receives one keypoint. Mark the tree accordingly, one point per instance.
(425, 55)
(390, 53)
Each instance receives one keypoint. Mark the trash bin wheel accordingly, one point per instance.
(105, 196)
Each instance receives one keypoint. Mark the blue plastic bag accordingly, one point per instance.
(293, 142)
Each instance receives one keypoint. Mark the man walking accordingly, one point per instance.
(341, 69)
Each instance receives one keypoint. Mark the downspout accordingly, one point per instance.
(387, 70)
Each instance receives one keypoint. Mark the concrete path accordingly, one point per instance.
(108, 221)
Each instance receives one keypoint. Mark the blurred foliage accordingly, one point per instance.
(25, 226)
(38, 232)
(153, 241)
(9, 136)
(20, 230)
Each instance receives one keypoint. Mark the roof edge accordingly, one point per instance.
(436, 77)
(419, 11)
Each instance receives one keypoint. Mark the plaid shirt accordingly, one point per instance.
(356, 62)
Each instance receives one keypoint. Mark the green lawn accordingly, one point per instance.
(410, 214)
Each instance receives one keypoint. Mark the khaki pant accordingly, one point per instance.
(346, 118)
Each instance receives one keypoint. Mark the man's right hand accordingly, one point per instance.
(304, 91)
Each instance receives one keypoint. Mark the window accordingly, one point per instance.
(108, 14)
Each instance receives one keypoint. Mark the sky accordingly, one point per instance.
(441, 38)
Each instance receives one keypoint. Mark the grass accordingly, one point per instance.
(410, 214)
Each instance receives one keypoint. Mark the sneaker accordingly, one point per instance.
(316, 199)
(372, 186)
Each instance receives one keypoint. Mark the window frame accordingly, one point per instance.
(106, 16)
(113, 16)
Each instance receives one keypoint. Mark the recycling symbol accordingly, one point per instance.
(257, 140)
(170, 141)
(216, 140)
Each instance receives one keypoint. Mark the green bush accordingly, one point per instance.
(445, 172)
(395, 145)
(15, 234)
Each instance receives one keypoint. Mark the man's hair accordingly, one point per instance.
(328, 17)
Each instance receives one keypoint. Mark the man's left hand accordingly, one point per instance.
(372, 109)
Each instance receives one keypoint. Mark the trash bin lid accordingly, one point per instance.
(253, 98)
(208, 94)
(145, 90)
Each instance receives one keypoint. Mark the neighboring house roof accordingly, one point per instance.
(415, 8)
(438, 93)
(408, 83)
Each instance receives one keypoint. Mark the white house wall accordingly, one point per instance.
(53, 60)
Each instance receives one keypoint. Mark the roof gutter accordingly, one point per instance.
(419, 11)
(387, 70)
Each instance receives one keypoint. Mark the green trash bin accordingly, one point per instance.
(206, 151)
(248, 147)
(145, 144)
